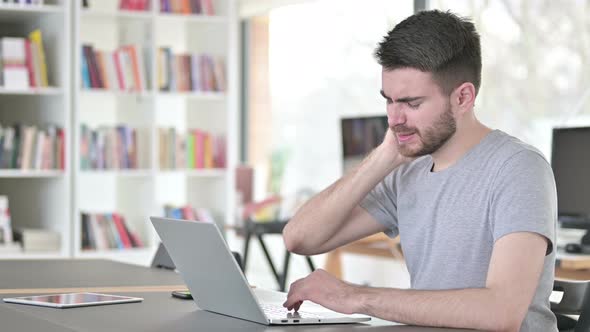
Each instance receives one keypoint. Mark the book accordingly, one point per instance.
(186, 212)
(85, 229)
(125, 239)
(109, 147)
(124, 69)
(30, 64)
(32, 148)
(85, 72)
(37, 39)
(207, 7)
(190, 72)
(35, 240)
(15, 74)
(104, 231)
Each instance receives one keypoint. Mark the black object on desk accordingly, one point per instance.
(258, 229)
(183, 294)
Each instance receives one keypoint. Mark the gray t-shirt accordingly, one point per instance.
(448, 221)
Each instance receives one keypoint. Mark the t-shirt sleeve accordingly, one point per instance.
(525, 198)
(380, 203)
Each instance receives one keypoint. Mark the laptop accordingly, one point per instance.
(218, 285)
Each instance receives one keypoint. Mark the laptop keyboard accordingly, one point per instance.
(278, 311)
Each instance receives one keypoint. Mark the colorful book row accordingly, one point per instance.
(123, 69)
(30, 148)
(187, 212)
(190, 72)
(108, 148)
(21, 3)
(196, 149)
(22, 62)
(139, 5)
(187, 7)
(102, 231)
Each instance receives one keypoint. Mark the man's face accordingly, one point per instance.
(418, 112)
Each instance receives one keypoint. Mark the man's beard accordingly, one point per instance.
(432, 138)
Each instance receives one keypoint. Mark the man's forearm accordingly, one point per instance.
(477, 308)
(323, 215)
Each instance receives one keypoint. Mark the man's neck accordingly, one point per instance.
(458, 145)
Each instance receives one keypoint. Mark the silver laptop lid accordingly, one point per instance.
(208, 268)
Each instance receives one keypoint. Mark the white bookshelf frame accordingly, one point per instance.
(49, 206)
(60, 191)
(190, 179)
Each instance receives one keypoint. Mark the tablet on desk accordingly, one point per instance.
(72, 300)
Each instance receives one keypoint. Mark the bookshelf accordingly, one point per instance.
(13, 12)
(139, 193)
(116, 14)
(51, 91)
(4, 174)
(40, 199)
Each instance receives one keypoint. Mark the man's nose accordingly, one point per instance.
(395, 115)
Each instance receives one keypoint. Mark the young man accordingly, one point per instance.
(475, 208)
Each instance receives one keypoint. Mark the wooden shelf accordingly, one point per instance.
(120, 14)
(50, 91)
(193, 18)
(17, 173)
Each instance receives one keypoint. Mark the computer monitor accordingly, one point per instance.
(570, 160)
(360, 135)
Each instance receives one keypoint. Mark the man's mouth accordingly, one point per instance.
(403, 137)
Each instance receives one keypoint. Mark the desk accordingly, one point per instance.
(572, 266)
(63, 273)
(568, 266)
(158, 312)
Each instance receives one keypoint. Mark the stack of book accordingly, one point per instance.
(101, 231)
(190, 72)
(196, 149)
(38, 240)
(139, 5)
(108, 147)
(122, 70)
(28, 147)
(187, 212)
(187, 7)
(22, 62)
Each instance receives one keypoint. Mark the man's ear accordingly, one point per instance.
(463, 97)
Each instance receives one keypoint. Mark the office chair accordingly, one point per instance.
(162, 259)
(575, 301)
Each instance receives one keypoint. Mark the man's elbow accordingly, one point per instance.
(507, 318)
(508, 325)
(293, 240)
